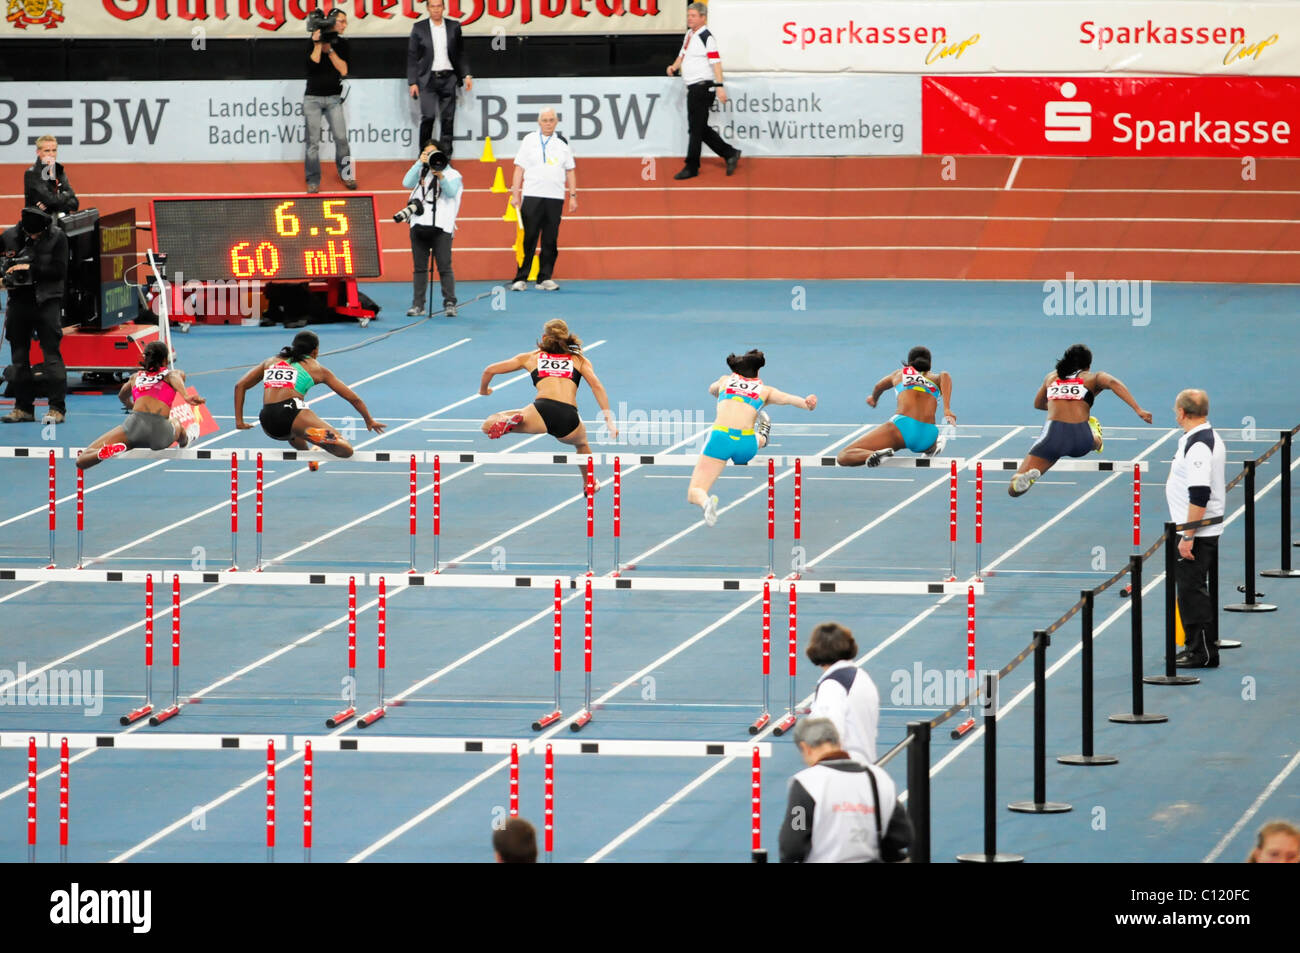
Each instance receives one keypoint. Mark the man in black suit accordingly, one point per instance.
(45, 184)
(435, 67)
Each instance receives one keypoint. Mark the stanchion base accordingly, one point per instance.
(1087, 760)
(1039, 807)
(1250, 607)
(132, 717)
(961, 729)
(580, 720)
(545, 720)
(990, 859)
(1171, 679)
(758, 856)
(345, 715)
(784, 725)
(167, 713)
(369, 718)
(760, 723)
(1281, 573)
(1228, 644)
(1131, 719)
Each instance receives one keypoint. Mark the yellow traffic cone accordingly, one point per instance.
(519, 246)
(499, 183)
(487, 155)
(511, 215)
(1180, 637)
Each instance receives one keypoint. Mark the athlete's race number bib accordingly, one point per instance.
(279, 375)
(555, 365)
(916, 381)
(1069, 389)
(145, 381)
(741, 387)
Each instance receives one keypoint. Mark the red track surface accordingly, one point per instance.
(1161, 219)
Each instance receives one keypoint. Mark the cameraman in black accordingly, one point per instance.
(45, 184)
(35, 266)
(327, 65)
(431, 211)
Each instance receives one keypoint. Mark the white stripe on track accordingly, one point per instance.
(1251, 811)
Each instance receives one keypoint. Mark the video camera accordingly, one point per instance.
(17, 279)
(327, 23)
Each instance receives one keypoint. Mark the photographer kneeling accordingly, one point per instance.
(431, 211)
(35, 267)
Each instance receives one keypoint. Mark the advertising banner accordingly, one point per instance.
(628, 116)
(1196, 37)
(1110, 116)
(227, 19)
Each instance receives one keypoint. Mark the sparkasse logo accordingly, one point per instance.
(1065, 120)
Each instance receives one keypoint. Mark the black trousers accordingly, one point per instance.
(438, 103)
(540, 217)
(1195, 601)
(699, 100)
(24, 318)
(428, 240)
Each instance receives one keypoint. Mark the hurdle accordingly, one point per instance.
(81, 515)
(372, 716)
(618, 513)
(257, 510)
(788, 719)
(411, 508)
(514, 780)
(556, 713)
(137, 713)
(971, 681)
(549, 799)
(63, 801)
(766, 714)
(52, 505)
(270, 802)
(589, 488)
(234, 511)
(31, 800)
(756, 852)
(437, 512)
(582, 718)
(306, 803)
(340, 717)
(174, 709)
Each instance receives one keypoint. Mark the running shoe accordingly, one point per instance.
(183, 438)
(1096, 428)
(764, 426)
(875, 458)
(1023, 481)
(504, 426)
(322, 436)
(313, 465)
(111, 450)
(711, 511)
(940, 442)
(519, 286)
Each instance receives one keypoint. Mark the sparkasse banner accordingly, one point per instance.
(626, 116)
(1201, 116)
(1194, 37)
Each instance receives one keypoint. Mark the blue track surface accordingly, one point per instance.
(674, 666)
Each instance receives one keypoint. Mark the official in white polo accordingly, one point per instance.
(544, 172)
(845, 693)
(701, 69)
(1195, 491)
(840, 811)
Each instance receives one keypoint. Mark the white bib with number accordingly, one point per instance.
(1072, 388)
(742, 388)
(280, 375)
(555, 365)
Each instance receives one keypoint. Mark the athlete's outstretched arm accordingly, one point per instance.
(348, 394)
(945, 391)
(1108, 382)
(882, 385)
(775, 396)
(1040, 399)
(598, 391)
(245, 383)
(515, 363)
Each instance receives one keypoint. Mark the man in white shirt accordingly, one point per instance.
(1195, 491)
(435, 67)
(701, 68)
(845, 694)
(544, 171)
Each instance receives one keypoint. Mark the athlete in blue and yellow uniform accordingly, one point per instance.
(912, 427)
(741, 396)
(285, 380)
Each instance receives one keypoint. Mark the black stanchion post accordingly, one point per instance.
(918, 789)
(1171, 676)
(1087, 758)
(990, 854)
(1137, 716)
(1214, 605)
(1040, 804)
(1250, 605)
(1286, 572)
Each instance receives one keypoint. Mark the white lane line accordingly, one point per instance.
(1015, 167)
(1251, 811)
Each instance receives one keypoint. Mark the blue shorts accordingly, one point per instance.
(728, 443)
(1061, 439)
(917, 435)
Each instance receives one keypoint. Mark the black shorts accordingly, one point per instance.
(1061, 439)
(561, 419)
(277, 418)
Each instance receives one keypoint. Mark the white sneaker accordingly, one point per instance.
(711, 511)
(764, 426)
(1023, 481)
(547, 285)
(939, 443)
(519, 286)
(875, 458)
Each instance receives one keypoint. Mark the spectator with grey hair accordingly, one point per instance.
(544, 172)
(840, 811)
(700, 65)
(845, 694)
(1195, 491)
(515, 842)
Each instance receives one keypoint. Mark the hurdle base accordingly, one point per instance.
(760, 723)
(370, 717)
(1281, 573)
(1250, 607)
(131, 717)
(580, 720)
(990, 859)
(545, 720)
(758, 856)
(336, 720)
(1130, 719)
(1228, 644)
(166, 714)
(1087, 760)
(1171, 679)
(1039, 807)
(961, 729)
(784, 725)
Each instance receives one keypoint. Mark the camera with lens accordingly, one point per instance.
(437, 162)
(17, 279)
(415, 208)
(327, 23)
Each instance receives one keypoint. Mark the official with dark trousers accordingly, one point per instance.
(544, 172)
(1195, 491)
(435, 67)
(45, 184)
(701, 68)
(36, 308)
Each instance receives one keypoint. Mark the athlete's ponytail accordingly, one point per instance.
(558, 339)
(919, 357)
(304, 345)
(154, 357)
(747, 364)
(1075, 359)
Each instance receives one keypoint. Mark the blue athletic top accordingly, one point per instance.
(746, 389)
(915, 380)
